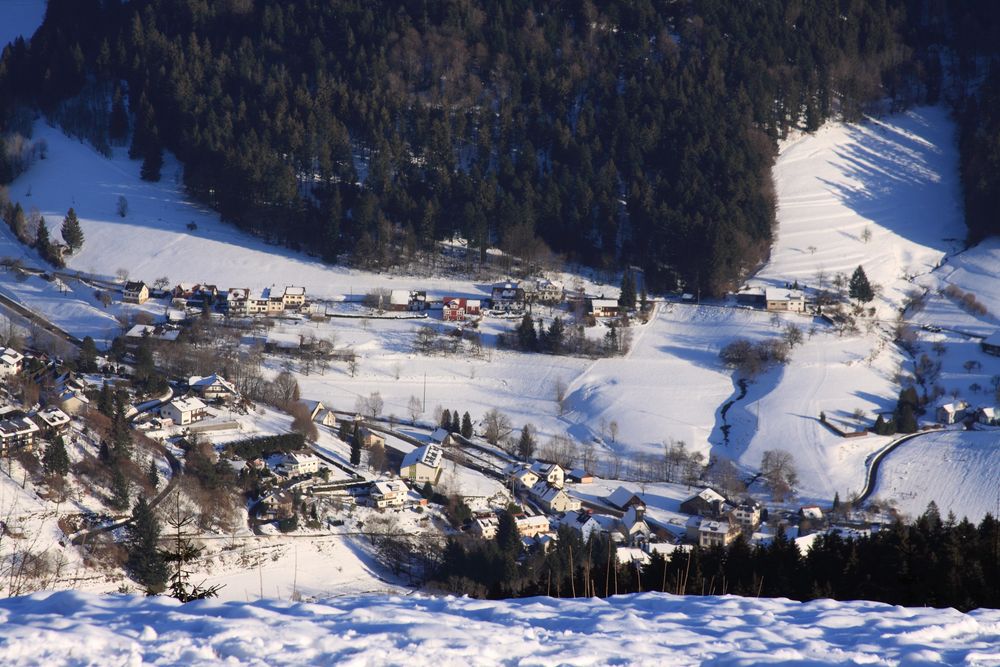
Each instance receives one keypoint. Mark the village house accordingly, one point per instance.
(17, 433)
(951, 412)
(530, 526)
(548, 291)
(991, 344)
(67, 394)
(456, 309)
(751, 296)
(369, 438)
(135, 292)
(269, 301)
(293, 298)
(442, 437)
(11, 361)
(280, 341)
(325, 417)
(485, 525)
(277, 505)
(579, 476)
(295, 464)
(550, 472)
(183, 411)
(583, 522)
(987, 415)
(417, 301)
(399, 300)
(388, 493)
(54, 421)
(553, 499)
(605, 308)
(621, 499)
(507, 296)
(785, 300)
(422, 464)
(705, 503)
(213, 388)
(713, 533)
(521, 476)
(747, 515)
(140, 332)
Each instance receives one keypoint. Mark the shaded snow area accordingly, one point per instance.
(958, 470)
(646, 629)
(896, 177)
(20, 18)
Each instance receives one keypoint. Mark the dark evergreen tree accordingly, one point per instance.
(627, 297)
(118, 123)
(456, 423)
(355, 451)
(153, 474)
(86, 361)
(526, 443)
(71, 231)
(145, 562)
(152, 163)
(527, 337)
(120, 488)
(42, 243)
(105, 401)
(55, 461)
(466, 425)
(859, 288)
(445, 419)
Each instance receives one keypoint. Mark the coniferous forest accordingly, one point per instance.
(615, 133)
(931, 562)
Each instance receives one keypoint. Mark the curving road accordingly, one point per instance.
(875, 460)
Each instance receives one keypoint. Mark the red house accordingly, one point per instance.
(455, 308)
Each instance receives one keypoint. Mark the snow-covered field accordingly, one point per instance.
(20, 18)
(69, 628)
(958, 470)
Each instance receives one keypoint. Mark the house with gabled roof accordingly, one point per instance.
(442, 437)
(706, 503)
(550, 472)
(213, 388)
(553, 499)
(135, 291)
(621, 498)
(951, 412)
(636, 531)
(294, 464)
(422, 464)
(388, 493)
(184, 411)
(11, 361)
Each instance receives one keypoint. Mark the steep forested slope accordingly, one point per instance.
(616, 132)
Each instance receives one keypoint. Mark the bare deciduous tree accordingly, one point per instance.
(496, 426)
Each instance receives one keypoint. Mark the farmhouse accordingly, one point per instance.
(986, 415)
(747, 515)
(522, 476)
(605, 308)
(423, 464)
(183, 411)
(991, 344)
(716, 533)
(388, 493)
(553, 499)
(584, 523)
(135, 292)
(399, 299)
(455, 309)
(952, 412)
(369, 438)
(550, 472)
(442, 437)
(780, 300)
(277, 505)
(705, 503)
(751, 296)
(213, 388)
(141, 332)
(530, 526)
(621, 498)
(11, 361)
(548, 291)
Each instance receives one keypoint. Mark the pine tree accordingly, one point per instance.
(118, 123)
(456, 423)
(466, 425)
(355, 451)
(105, 402)
(859, 288)
(145, 562)
(445, 419)
(55, 460)
(627, 297)
(86, 361)
(526, 443)
(119, 488)
(152, 163)
(153, 474)
(72, 233)
(527, 337)
(184, 551)
(42, 243)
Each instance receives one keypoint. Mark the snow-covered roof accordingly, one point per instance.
(53, 416)
(440, 435)
(708, 495)
(544, 492)
(199, 382)
(292, 290)
(812, 512)
(399, 297)
(17, 426)
(301, 457)
(714, 527)
(953, 406)
(601, 304)
(621, 496)
(783, 294)
(428, 455)
(187, 404)
(10, 356)
(388, 487)
(284, 340)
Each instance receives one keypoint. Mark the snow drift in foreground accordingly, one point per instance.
(75, 628)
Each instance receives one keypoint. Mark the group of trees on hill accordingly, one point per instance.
(930, 562)
(618, 132)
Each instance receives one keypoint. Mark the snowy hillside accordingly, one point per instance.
(20, 18)
(646, 629)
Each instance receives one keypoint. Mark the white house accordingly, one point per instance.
(716, 533)
(986, 415)
(17, 433)
(584, 523)
(135, 292)
(949, 413)
(298, 463)
(183, 411)
(389, 493)
(605, 308)
(485, 525)
(550, 472)
(529, 526)
(53, 419)
(781, 299)
(423, 464)
(11, 361)
(213, 388)
(553, 499)
(549, 291)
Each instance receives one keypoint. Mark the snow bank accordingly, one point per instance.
(73, 628)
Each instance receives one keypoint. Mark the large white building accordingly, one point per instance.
(183, 411)
(11, 361)
(423, 464)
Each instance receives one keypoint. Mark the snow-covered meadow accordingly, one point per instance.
(69, 628)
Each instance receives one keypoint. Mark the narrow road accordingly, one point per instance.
(875, 461)
(19, 311)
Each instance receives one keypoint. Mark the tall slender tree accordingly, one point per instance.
(71, 231)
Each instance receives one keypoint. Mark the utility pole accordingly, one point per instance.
(424, 403)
